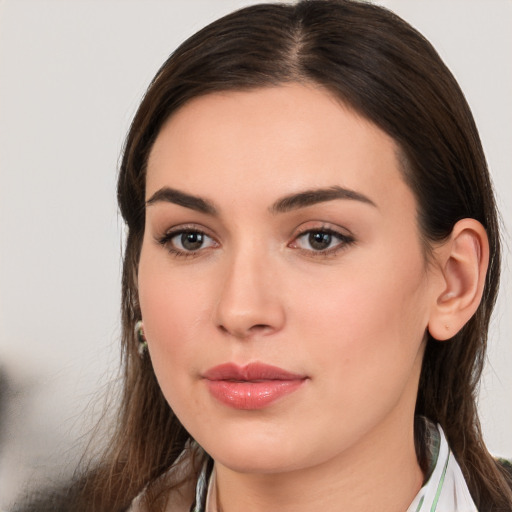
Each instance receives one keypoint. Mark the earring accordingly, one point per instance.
(141, 338)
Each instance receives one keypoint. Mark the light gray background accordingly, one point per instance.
(71, 76)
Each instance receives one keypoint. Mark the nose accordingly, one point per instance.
(250, 301)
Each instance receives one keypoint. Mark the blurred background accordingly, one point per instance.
(71, 77)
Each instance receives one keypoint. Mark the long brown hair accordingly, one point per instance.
(385, 70)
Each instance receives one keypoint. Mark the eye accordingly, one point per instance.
(186, 242)
(321, 241)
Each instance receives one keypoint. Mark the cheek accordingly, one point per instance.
(368, 324)
(173, 311)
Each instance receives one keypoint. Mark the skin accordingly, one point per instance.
(351, 319)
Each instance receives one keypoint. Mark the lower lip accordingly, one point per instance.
(249, 395)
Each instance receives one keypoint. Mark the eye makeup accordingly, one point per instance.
(313, 241)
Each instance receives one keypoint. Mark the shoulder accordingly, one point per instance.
(179, 499)
(174, 490)
(506, 465)
(61, 498)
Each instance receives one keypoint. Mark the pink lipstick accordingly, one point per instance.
(250, 387)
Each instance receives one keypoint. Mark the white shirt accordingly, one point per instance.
(446, 489)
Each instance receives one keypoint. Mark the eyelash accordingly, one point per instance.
(344, 241)
(166, 239)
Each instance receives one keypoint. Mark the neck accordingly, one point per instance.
(371, 476)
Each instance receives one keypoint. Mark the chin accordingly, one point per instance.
(262, 462)
(254, 454)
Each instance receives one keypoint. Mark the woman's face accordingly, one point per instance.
(282, 282)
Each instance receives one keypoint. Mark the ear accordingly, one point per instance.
(462, 261)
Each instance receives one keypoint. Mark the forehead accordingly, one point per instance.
(273, 140)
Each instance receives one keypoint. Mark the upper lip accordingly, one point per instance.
(250, 372)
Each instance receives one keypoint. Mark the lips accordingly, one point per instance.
(254, 386)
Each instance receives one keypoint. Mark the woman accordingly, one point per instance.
(311, 263)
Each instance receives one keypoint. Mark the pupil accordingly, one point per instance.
(320, 240)
(191, 241)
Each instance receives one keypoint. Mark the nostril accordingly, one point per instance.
(259, 327)
(241, 332)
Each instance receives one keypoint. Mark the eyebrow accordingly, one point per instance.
(283, 205)
(314, 196)
(170, 195)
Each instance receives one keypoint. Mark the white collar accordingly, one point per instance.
(446, 490)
